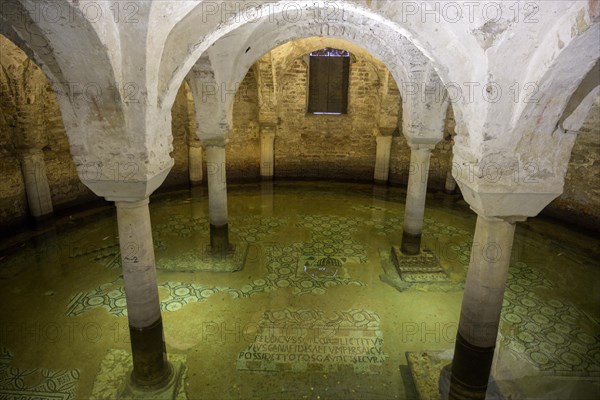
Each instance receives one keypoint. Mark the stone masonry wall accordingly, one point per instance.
(243, 148)
(306, 146)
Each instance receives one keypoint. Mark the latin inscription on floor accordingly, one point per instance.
(302, 340)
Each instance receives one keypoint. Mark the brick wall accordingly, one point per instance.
(306, 146)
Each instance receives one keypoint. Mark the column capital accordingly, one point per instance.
(267, 135)
(29, 152)
(509, 219)
(194, 142)
(215, 142)
(133, 203)
(416, 145)
(383, 138)
(128, 191)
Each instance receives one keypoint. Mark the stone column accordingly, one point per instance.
(150, 365)
(450, 186)
(266, 199)
(195, 163)
(415, 198)
(382, 158)
(33, 166)
(481, 306)
(217, 197)
(267, 139)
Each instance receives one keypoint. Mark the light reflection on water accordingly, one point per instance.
(310, 246)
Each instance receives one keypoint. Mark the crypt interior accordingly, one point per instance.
(299, 200)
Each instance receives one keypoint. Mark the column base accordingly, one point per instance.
(449, 192)
(380, 182)
(219, 239)
(168, 390)
(195, 183)
(411, 244)
(43, 222)
(150, 365)
(266, 178)
(470, 373)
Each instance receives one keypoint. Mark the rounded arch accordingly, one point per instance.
(74, 59)
(305, 46)
(250, 39)
(536, 125)
(559, 80)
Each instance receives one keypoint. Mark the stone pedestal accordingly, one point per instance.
(267, 140)
(481, 307)
(195, 164)
(33, 167)
(150, 365)
(415, 199)
(382, 159)
(217, 197)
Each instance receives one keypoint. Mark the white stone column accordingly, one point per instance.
(150, 365)
(382, 158)
(33, 167)
(266, 198)
(415, 198)
(195, 164)
(217, 196)
(267, 160)
(450, 185)
(481, 307)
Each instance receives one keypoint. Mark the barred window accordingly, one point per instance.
(328, 81)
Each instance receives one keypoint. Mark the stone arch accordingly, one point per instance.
(541, 138)
(82, 83)
(253, 38)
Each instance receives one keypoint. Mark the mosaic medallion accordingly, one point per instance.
(254, 228)
(310, 340)
(293, 266)
(330, 226)
(111, 297)
(181, 225)
(60, 385)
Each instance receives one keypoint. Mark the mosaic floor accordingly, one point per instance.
(35, 383)
(307, 314)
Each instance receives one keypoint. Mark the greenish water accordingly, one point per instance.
(309, 315)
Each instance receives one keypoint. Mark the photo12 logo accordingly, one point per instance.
(470, 11)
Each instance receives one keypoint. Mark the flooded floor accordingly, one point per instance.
(312, 314)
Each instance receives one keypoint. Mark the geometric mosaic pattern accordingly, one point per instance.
(438, 230)
(116, 367)
(284, 271)
(248, 228)
(253, 228)
(547, 333)
(181, 226)
(330, 225)
(60, 385)
(111, 297)
(204, 259)
(432, 228)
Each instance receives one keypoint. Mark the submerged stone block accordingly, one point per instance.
(423, 267)
(113, 379)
